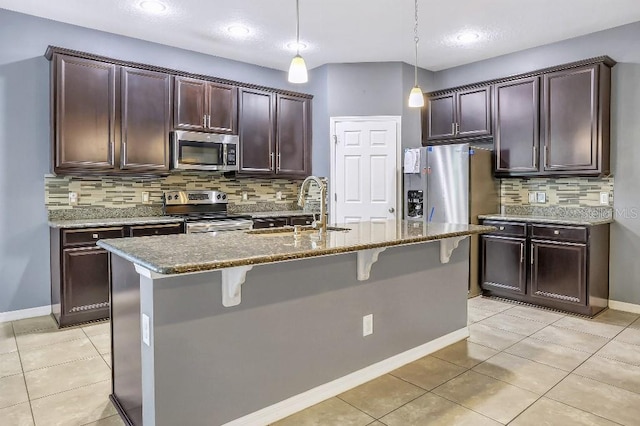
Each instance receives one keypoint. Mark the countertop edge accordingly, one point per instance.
(265, 259)
(551, 220)
(90, 223)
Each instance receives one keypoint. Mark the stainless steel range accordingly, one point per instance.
(204, 211)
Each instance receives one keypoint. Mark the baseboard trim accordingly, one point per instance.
(25, 313)
(318, 394)
(624, 306)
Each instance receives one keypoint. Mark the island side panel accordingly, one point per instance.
(299, 326)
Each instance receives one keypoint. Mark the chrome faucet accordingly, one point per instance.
(322, 223)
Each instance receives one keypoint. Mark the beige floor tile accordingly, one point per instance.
(535, 314)
(382, 395)
(486, 395)
(60, 378)
(521, 372)
(95, 329)
(488, 304)
(635, 324)
(58, 353)
(589, 326)
(109, 421)
(612, 372)
(604, 400)
(571, 338)
(74, 407)
(7, 340)
(330, 412)
(552, 413)
(616, 317)
(492, 337)
(107, 359)
(17, 415)
(621, 351)
(428, 372)
(41, 338)
(30, 325)
(376, 423)
(513, 324)
(475, 315)
(433, 410)
(102, 342)
(10, 364)
(557, 356)
(465, 354)
(12, 390)
(629, 335)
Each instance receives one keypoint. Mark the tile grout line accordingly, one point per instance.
(96, 348)
(24, 376)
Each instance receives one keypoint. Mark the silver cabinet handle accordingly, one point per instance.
(272, 162)
(532, 254)
(457, 128)
(209, 121)
(95, 236)
(204, 121)
(556, 232)
(535, 156)
(279, 162)
(453, 128)
(545, 156)
(521, 252)
(392, 210)
(501, 228)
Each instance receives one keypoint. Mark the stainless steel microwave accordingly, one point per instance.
(204, 151)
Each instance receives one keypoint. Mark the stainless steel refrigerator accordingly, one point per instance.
(454, 184)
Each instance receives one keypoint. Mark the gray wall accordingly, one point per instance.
(24, 133)
(622, 45)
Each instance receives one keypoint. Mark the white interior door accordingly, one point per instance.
(365, 169)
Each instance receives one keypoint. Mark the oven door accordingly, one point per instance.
(203, 151)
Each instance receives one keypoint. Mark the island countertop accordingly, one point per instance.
(186, 253)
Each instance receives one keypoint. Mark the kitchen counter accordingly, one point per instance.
(179, 254)
(91, 223)
(580, 221)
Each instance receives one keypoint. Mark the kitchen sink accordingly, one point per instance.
(290, 229)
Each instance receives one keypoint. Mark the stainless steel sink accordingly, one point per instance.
(290, 230)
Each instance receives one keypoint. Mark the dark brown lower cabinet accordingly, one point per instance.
(557, 266)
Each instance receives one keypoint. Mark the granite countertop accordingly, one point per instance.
(176, 254)
(276, 213)
(91, 223)
(559, 220)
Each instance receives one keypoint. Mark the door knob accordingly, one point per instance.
(391, 210)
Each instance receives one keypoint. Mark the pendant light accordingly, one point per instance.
(416, 98)
(298, 69)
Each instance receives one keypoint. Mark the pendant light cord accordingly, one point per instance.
(298, 27)
(415, 39)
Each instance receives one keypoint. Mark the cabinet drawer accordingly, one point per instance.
(556, 232)
(271, 222)
(514, 229)
(163, 229)
(300, 220)
(87, 236)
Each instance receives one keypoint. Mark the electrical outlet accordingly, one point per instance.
(73, 198)
(367, 325)
(145, 197)
(245, 196)
(532, 198)
(541, 197)
(604, 198)
(146, 332)
(279, 195)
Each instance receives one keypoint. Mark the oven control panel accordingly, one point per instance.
(195, 197)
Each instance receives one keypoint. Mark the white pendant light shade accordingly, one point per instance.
(416, 98)
(298, 70)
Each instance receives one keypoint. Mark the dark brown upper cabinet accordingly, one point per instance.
(275, 134)
(456, 115)
(146, 114)
(205, 106)
(293, 126)
(516, 112)
(575, 120)
(84, 114)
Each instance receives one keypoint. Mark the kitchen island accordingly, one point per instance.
(247, 327)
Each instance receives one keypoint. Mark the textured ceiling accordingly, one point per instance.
(345, 30)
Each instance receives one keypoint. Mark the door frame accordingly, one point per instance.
(333, 121)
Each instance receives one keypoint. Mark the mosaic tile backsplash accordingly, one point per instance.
(100, 193)
(561, 192)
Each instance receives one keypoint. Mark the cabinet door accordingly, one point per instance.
(222, 108)
(516, 114)
(85, 287)
(558, 271)
(293, 148)
(189, 111)
(256, 131)
(473, 113)
(146, 117)
(440, 117)
(570, 120)
(503, 264)
(84, 93)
